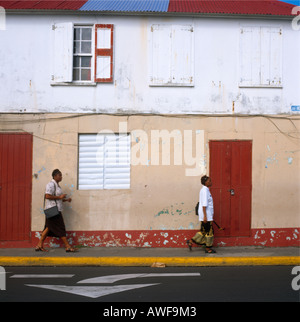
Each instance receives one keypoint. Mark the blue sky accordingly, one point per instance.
(296, 2)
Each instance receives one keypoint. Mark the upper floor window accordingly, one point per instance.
(82, 54)
(260, 57)
(172, 55)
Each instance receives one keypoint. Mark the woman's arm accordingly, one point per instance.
(51, 197)
(67, 199)
(204, 214)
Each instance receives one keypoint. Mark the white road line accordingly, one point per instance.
(42, 276)
(115, 278)
(91, 291)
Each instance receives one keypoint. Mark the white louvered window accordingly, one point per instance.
(104, 161)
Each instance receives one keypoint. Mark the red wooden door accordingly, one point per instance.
(15, 186)
(231, 173)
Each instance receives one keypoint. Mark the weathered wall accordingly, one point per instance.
(26, 53)
(162, 197)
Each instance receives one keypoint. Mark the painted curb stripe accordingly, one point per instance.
(147, 261)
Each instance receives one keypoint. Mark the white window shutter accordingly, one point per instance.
(104, 161)
(260, 56)
(265, 56)
(250, 49)
(245, 56)
(182, 55)
(117, 161)
(90, 157)
(256, 56)
(276, 57)
(63, 52)
(161, 55)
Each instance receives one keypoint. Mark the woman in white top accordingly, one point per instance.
(54, 226)
(206, 217)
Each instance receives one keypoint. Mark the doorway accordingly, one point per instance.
(15, 186)
(231, 173)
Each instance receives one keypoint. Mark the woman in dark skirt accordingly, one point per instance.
(55, 226)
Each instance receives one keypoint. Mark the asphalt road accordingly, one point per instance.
(142, 284)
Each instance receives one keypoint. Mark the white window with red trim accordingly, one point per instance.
(82, 54)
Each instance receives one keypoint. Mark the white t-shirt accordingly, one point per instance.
(51, 190)
(206, 200)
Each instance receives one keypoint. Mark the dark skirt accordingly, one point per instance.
(56, 226)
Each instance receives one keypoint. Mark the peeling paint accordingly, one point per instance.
(171, 238)
(271, 160)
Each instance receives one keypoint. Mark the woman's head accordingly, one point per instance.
(57, 175)
(206, 181)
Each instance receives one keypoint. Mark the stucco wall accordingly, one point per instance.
(162, 196)
(27, 59)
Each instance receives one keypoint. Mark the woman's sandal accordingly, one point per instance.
(189, 243)
(40, 249)
(71, 250)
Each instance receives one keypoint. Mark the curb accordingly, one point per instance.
(148, 261)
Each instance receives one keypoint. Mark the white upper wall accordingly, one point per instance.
(212, 53)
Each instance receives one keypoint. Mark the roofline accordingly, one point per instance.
(148, 13)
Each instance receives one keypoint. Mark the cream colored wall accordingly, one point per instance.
(162, 197)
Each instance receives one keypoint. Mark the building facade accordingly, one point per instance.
(134, 104)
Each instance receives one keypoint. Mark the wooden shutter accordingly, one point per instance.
(90, 169)
(182, 55)
(161, 55)
(250, 56)
(260, 56)
(275, 56)
(62, 52)
(117, 161)
(172, 61)
(104, 53)
(104, 161)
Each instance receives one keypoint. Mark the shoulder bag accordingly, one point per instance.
(53, 211)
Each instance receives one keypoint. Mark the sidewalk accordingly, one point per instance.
(127, 256)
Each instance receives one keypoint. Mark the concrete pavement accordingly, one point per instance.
(129, 256)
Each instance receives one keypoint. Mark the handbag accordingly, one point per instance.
(53, 211)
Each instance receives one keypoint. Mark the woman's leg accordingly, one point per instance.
(40, 245)
(67, 245)
(209, 238)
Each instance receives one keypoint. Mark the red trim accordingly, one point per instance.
(104, 52)
(276, 237)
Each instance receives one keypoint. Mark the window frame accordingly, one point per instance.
(84, 54)
(63, 56)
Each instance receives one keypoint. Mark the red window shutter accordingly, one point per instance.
(104, 36)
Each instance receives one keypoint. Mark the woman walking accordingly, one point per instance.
(54, 226)
(206, 217)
